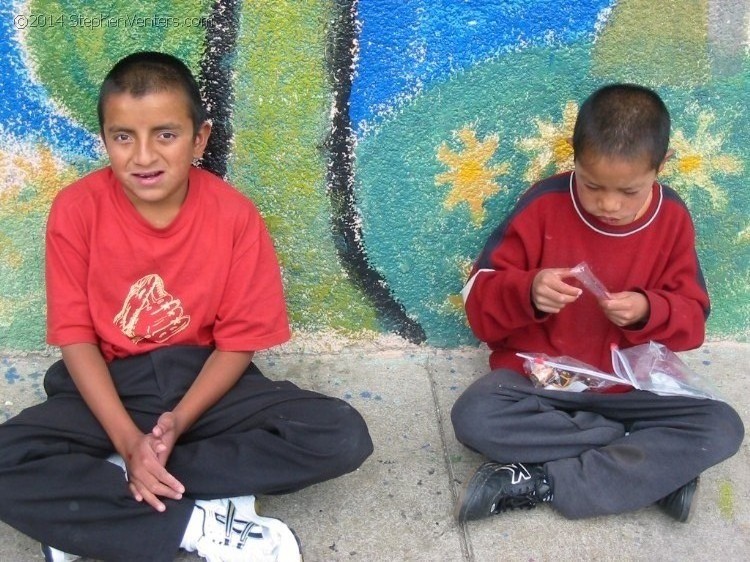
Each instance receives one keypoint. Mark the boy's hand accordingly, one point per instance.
(166, 432)
(148, 479)
(626, 308)
(549, 293)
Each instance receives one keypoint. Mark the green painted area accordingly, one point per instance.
(726, 499)
(724, 254)
(281, 120)
(285, 99)
(663, 43)
(22, 299)
(83, 40)
(419, 245)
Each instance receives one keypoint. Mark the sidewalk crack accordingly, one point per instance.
(463, 535)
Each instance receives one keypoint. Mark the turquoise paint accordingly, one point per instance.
(409, 235)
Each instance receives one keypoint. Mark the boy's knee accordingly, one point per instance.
(460, 414)
(727, 430)
(16, 445)
(353, 443)
(468, 417)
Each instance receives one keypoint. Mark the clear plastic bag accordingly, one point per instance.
(654, 367)
(566, 373)
(583, 273)
(649, 366)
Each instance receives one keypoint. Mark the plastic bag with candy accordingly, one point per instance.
(649, 366)
(566, 373)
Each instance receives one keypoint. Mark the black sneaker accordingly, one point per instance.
(499, 487)
(677, 504)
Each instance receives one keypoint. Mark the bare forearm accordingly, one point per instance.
(220, 373)
(91, 376)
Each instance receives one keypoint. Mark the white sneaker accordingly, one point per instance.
(233, 532)
(54, 555)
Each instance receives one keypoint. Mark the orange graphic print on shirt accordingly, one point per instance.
(150, 312)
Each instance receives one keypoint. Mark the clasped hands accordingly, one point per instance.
(146, 458)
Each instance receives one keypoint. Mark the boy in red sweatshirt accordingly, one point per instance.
(591, 453)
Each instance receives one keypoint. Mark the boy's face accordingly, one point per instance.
(151, 146)
(616, 191)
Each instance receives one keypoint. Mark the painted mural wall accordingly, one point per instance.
(382, 140)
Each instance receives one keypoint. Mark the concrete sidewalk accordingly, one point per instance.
(399, 504)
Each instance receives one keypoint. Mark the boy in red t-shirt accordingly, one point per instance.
(162, 282)
(590, 453)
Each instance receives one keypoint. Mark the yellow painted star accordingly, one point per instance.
(697, 160)
(472, 176)
(552, 145)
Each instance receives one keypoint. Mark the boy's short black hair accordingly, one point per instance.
(625, 121)
(147, 72)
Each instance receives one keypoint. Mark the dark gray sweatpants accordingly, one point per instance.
(262, 437)
(603, 453)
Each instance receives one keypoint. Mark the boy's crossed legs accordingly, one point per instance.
(597, 453)
(262, 437)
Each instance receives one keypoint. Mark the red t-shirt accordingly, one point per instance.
(210, 278)
(654, 255)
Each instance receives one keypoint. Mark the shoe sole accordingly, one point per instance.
(476, 482)
(691, 499)
(254, 510)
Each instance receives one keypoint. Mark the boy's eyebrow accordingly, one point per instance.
(619, 188)
(161, 127)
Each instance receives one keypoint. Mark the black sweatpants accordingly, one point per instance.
(603, 453)
(262, 437)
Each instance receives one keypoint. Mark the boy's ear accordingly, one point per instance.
(201, 139)
(667, 157)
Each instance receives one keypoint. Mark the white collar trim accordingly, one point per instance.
(614, 234)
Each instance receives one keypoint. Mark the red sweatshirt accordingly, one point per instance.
(654, 255)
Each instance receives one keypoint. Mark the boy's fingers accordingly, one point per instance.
(171, 484)
(564, 293)
(556, 283)
(134, 490)
(141, 493)
(151, 493)
(153, 501)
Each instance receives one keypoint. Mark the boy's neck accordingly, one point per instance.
(159, 218)
(158, 215)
